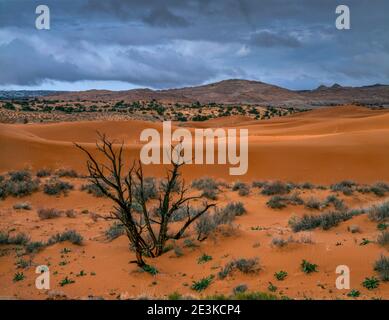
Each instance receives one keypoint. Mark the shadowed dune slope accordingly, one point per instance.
(321, 146)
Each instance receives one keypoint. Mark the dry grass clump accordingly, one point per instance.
(49, 213)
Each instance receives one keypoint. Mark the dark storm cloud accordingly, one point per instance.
(162, 17)
(17, 69)
(186, 42)
(272, 39)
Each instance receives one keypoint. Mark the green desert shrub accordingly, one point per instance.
(204, 258)
(308, 267)
(54, 186)
(280, 275)
(202, 284)
(254, 296)
(241, 288)
(371, 283)
(381, 266)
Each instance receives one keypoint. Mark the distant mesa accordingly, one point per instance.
(232, 91)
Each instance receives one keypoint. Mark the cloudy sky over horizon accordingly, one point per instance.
(124, 44)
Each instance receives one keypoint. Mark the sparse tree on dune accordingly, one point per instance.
(146, 226)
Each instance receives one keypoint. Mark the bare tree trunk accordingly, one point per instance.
(120, 189)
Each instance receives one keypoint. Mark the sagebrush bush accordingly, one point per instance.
(276, 202)
(18, 239)
(66, 173)
(204, 226)
(380, 212)
(383, 238)
(42, 173)
(55, 186)
(379, 189)
(18, 184)
(337, 203)
(275, 188)
(247, 265)
(313, 204)
(205, 183)
(70, 235)
(345, 186)
(278, 242)
(381, 266)
(49, 213)
(210, 194)
(325, 220)
(150, 190)
(114, 231)
(92, 189)
(235, 208)
(242, 188)
(70, 213)
(34, 246)
(280, 202)
(258, 184)
(182, 213)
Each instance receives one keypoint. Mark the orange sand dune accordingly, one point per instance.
(323, 146)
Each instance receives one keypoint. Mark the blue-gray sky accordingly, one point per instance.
(124, 44)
